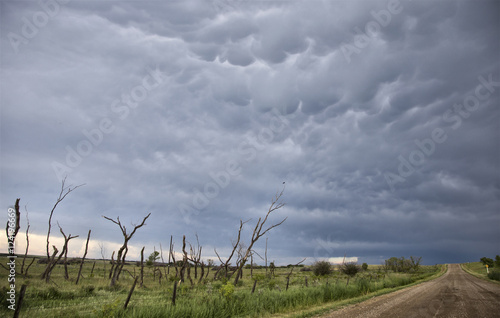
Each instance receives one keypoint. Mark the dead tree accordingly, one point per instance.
(112, 265)
(186, 267)
(64, 192)
(25, 273)
(171, 254)
(142, 267)
(66, 241)
(196, 256)
(83, 259)
(225, 265)
(52, 261)
(122, 252)
(258, 231)
(290, 274)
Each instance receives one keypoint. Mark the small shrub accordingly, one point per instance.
(88, 290)
(494, 275)
(350, 269)
(272, 284)
(321, 268)
(364, 266)
(53, 293)
(227, 291)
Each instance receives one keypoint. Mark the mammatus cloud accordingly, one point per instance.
(380, 117)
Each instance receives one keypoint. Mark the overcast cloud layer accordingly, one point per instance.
(381, 117)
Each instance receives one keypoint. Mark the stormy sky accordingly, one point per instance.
(379, 120)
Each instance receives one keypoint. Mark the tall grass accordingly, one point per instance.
(265, 301)
(94, 298)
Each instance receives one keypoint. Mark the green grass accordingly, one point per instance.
(479, 270)
(93, 298)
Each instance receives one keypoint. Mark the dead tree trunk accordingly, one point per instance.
(276, 204)
(122, 252)
(65, 249)
(142, 267)
(171, 254)
(64, 192)
(225, 264)
(52, 262)
(27, 245)
(186, 267)
(112, 265)
(83, 259)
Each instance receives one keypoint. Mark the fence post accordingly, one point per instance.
(130, 293)
(175, 292)
(20, 301)
(254, 284)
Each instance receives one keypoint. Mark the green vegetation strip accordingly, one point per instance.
(478, 270)
(94, 298)
(318, 310)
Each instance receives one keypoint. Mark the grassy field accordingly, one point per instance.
(479, 270)
(94, 298)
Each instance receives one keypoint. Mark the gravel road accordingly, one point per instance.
(455, 294)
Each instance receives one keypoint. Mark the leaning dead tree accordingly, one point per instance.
(52, 261)
(259, 231)
(83, 259)
(23, 271)
(62, 194)
(66, 241)
(225, 265)
(122, 252)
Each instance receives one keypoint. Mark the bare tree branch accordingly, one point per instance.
(64, 192)
(276, 204)
(122, 252)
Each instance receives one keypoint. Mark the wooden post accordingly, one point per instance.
(306, 282)
(142, 266)
(92, 271)
(20, 301)
(254, 284)
(287, 281)
(130, 293)
(175, 292)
